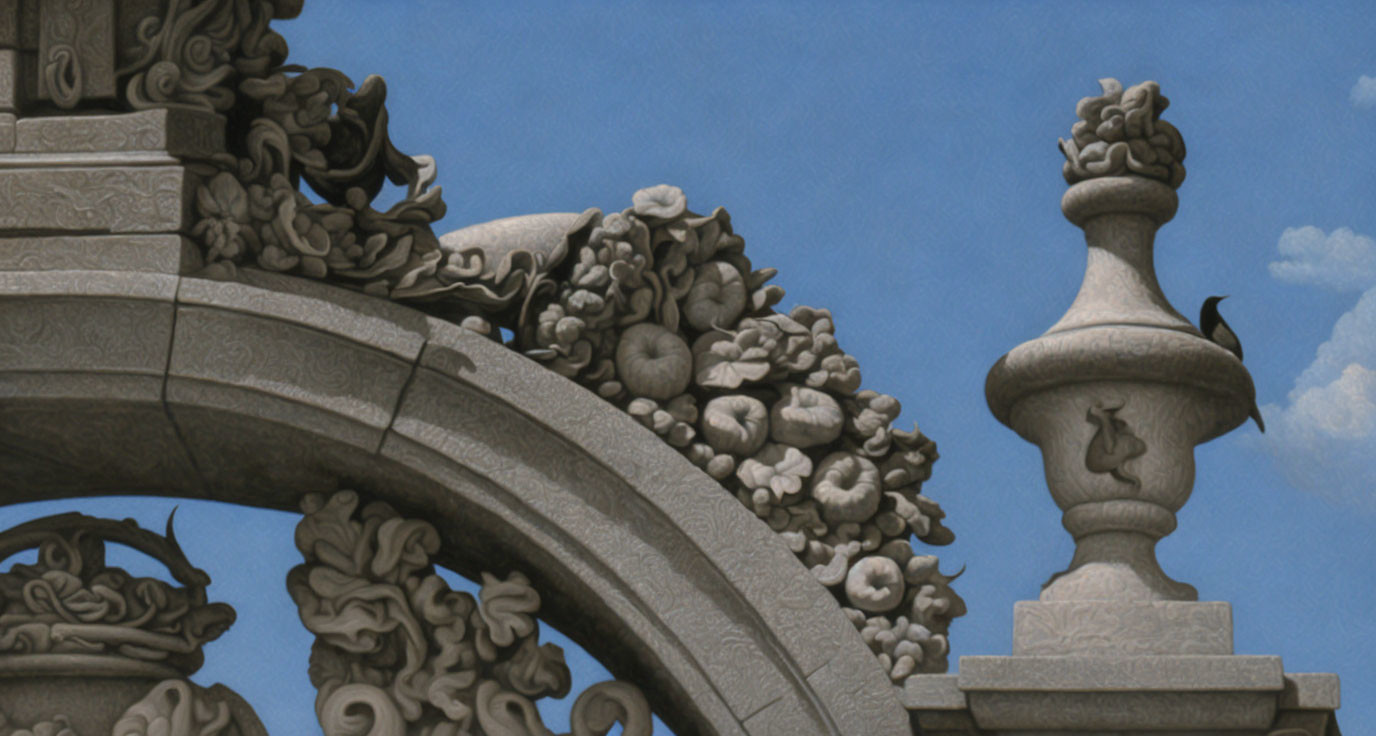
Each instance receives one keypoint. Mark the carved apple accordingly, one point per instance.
(653, 362)
(847, 487)
(717, 297)
(737, 424)
(804, 417)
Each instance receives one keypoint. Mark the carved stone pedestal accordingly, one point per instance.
(1117, 394)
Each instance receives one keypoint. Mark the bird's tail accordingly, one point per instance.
(1256, 417)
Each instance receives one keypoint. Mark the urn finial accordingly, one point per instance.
(1119, 391)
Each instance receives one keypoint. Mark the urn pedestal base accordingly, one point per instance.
(1114, 628)
(1187, 695)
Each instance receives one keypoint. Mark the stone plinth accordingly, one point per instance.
(1157, 695)
(1113, 628)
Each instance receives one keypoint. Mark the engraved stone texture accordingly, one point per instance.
(9, 79)
(1113, 629)
(170, 254)
(183, 133)
(1153, 692)
(1192, 712)
(933, 692)
(76, 50)
(108, 199)
(307, 377)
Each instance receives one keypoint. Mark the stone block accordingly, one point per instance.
(1311, 691)
(170, 254)
(1115, 629)
(293, 375)
(932, 692)
(117, 199)
(177, 132)
(1187, 693)
(9, 79)
(7, 132)
(9, 24)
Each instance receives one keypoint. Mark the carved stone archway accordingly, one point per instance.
(262, 390)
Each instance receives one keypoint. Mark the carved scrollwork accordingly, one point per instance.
(397, 652)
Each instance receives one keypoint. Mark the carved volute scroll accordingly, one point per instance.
(397, 652)
(90, 649)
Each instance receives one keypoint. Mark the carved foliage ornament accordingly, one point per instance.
(397, 652)
(655, 308)
(1121, 132)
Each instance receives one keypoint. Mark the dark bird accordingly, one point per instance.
(1213, 326)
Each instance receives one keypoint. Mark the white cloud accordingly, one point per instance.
(1364, 93)
(1325, 437)
(1342, 260)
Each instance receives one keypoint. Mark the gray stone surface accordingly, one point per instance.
(9, 79)
(106, 198)
(178, 132)
(1110, 628)
(7, 132)
(153, 253)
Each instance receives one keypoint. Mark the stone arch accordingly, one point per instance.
(259, 390)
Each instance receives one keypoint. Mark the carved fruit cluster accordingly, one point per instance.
(1122, 133)
(660, 312)
(397, 647)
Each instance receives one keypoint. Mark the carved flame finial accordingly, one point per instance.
(1121, 133)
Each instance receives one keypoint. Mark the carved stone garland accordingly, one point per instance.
(399, 653)
(655, 308)
(76, 636)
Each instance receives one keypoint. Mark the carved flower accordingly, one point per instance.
(805, 417)
(716, 298)
(737, 424)
(225, 227)
(664, 202)
(674, 422)
(875, 584)
(847, 487)
(870, 414)
(723, 361)
(653, 362)
(778, 468)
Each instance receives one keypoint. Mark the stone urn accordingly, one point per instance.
(1117, 394)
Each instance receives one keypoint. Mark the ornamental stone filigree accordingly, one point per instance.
(397, 652)
(89, 649)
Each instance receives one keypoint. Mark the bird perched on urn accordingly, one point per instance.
(1213, 326)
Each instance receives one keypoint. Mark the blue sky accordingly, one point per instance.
(897, 163)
